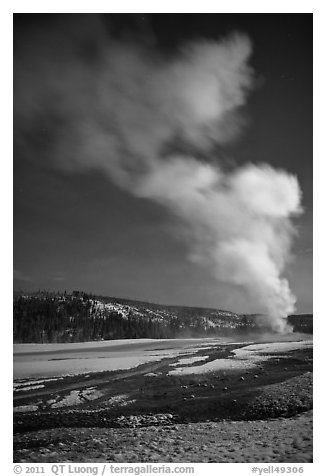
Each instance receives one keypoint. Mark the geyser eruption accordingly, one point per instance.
(154, 124)
(239, 224)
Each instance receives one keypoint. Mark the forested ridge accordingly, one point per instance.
(46, 317)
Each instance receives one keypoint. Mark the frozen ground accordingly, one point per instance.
(94, 345)
(244, 358)
(226, 415)
(37, 361)
(79, 365)
(55, 360)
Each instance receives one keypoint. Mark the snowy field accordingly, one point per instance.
(243, 358)
(37, 361)
(84, 346)
(56, 360)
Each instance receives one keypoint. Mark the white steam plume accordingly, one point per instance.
(129, 113)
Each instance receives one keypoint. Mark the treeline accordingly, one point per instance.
(47, 317)
(301, 323)
(52, 319)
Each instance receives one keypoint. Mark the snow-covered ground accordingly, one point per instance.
(26, 408)
(56, 360)
(25, 388)
(271, 347)
(218, 364)
(37, 361)
(244, 358)
(75, 397)
(79, 365)
(30, 348)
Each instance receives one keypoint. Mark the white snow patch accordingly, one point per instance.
(26, 408)
(35, 382)
(270, 347)
(218, 364)
(27, 388)
(31, 384)
(121, 400)
(75, 397)
(52, 400)
(189, 360)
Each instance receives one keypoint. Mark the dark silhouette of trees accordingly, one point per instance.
(47, 317)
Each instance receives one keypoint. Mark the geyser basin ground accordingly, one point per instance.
(148, 401)
(48, 360)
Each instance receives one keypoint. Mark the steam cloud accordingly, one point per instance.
(153, 124)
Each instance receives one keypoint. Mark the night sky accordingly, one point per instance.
(75, 227)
